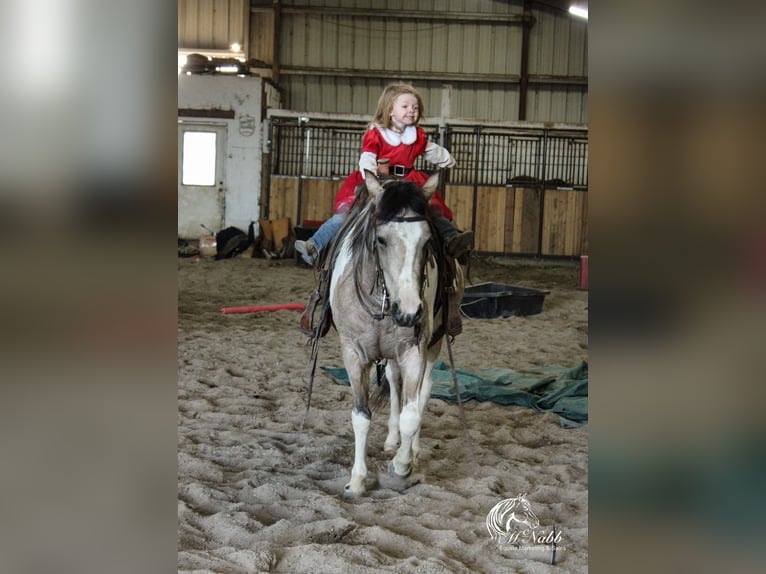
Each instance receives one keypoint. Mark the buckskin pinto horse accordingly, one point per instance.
(386, 304)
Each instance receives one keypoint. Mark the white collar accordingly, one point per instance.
(392, 138)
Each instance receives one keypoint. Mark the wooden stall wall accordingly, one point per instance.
(525, 224)
(283, 198)
(522, 192)
(301, 199)
(459, 198)
(565, 216)
(507, 218)
(317, 197)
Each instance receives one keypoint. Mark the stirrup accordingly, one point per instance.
(454, 319)
(307, 317)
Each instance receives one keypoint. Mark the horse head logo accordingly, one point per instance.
(507, 515)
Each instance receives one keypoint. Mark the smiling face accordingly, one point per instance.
(405, 112)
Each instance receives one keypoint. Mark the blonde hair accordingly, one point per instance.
(386, 103)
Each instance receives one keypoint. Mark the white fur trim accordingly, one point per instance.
(368, 161)
(392, 138)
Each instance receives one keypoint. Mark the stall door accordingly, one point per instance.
(201, 149)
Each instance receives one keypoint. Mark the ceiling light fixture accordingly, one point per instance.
(579, 12)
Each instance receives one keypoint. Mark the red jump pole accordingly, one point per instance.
(264, 308)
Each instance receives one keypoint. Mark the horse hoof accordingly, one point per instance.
(390, 447)
(349, 493)
(392, 472)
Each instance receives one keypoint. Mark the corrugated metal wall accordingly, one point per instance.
(339, 63)
(337, 55)
(213, 24)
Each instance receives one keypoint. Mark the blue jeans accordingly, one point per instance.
(323, 236)
(327, 231)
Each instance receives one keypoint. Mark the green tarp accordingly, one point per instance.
(547, 389)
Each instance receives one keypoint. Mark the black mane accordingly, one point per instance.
(399, 196)
(365, 215)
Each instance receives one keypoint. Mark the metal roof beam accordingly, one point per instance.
(410, 15)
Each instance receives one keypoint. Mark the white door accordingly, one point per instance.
(201, 200)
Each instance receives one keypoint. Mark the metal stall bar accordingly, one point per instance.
(478, 152)
(541, 177)
(580, 163)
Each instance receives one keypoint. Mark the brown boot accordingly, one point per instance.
(460, 244)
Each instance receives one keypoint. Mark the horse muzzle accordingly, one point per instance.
(405, 319)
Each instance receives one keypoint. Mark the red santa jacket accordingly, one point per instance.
(400, 149)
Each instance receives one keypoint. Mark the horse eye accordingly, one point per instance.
(381, 242)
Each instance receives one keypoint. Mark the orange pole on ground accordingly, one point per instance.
(264, 308)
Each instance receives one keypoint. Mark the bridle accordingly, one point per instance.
(379, 277)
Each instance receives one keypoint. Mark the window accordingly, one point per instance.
(199, 150)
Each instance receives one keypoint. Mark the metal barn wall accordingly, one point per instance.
(213, 24)
(558, 52)
(336, 56)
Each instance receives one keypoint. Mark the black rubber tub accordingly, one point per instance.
(491, 300)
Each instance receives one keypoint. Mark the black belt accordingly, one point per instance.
(401, 171)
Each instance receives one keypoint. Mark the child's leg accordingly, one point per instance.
(327, 231)
(455, 242)
(446, 230)
(312, 247)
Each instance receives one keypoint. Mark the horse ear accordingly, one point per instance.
(372, 183)
(429, 187)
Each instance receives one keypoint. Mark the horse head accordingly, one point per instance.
(522, 512)
(501, 519)
(402, 231)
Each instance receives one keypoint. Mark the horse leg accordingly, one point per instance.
(359, 375)
(410, 417)
(425, 394)
(394, 377)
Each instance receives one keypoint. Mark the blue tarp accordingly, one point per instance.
(556, 389)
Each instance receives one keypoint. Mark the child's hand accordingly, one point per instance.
(448, 163)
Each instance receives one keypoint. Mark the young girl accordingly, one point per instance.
(391, 145)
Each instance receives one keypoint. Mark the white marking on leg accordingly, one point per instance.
(361, 426)
(409, 422)
(425, 394)
(392, 440)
